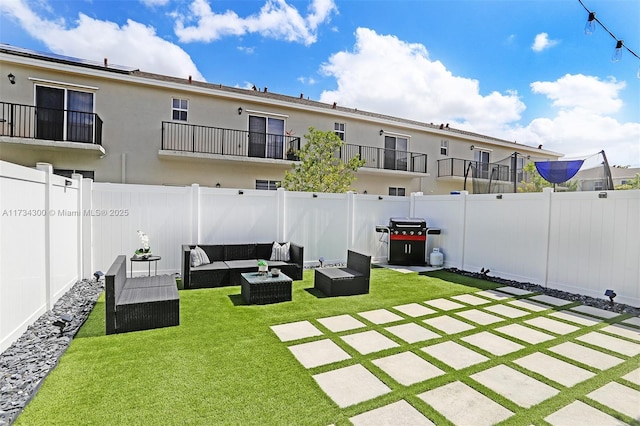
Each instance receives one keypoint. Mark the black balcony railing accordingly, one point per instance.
(382, 158)
(476, 169)
(215, 140)
(30, 122)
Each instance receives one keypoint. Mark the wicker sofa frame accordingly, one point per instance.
(228, 261)
(354, 279)
(140, 303)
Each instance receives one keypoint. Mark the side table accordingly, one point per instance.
(148, 259)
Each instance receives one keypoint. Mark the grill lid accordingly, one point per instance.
(407, 223)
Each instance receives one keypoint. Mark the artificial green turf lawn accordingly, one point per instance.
(224, 365)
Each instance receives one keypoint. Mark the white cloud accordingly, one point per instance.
(583, 124)
(276, 19)
(133, 44)
(542, 42)
(154, 3)
(390, 76)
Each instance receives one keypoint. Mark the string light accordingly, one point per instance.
(590, 27)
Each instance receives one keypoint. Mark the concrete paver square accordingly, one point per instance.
(514, 385)
(350, 385)
(579, 414)
(341, 323)
(586, 356)
(479, 317)
(492, 294)
(575, 318)
(368, 342)
(623, 331)
(380, 316)
(414, 310)
(493, 344)
(319, 352)
(596, 312)
(470, 299)
(554, 369)
(529, 304)
(295, 330)
(399, 413)
(514, 290)
(454, 354)
(611, 343)
(407, 368)
(525, 334)
(633, 321)
(412, 332)
(618, 397)
(550, 300)
(506, 311)
(551, 325)
(444, 304)
(633, 377)
(463, 405)
(448, 325)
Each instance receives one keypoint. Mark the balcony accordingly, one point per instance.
(197, 139)
(457, 167)
(45, 124)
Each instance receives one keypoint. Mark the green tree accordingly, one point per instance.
(535, 182)
(631, 184)
(320, 170)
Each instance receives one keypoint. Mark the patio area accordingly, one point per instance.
(432, 347)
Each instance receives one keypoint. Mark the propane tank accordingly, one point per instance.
(436, 258)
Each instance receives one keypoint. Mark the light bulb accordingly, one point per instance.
(617, 53)
(590, 26)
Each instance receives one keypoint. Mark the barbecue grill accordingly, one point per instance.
(407, 241)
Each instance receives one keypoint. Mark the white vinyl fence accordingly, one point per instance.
(582, 242)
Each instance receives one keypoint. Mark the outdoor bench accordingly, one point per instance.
(228, 261)
(354, 279)
(139, 303)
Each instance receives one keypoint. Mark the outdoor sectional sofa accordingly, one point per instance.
(228, 261)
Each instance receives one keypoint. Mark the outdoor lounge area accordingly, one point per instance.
(419, 348)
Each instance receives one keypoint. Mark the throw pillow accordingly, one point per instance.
(280, 252)
(199, 257)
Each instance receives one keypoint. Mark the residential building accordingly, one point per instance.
(594, 179)
(120, 124)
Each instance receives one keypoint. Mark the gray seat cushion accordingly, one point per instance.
(211, 266)
(242, 264)
(339, 273)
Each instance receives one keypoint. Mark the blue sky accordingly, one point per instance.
(520, 70)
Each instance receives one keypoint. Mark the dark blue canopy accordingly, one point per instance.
(558, 171)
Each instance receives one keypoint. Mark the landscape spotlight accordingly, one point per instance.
(610, 294)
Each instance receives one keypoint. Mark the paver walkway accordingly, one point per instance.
(479, 358)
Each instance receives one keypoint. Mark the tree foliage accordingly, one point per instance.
(320, 170)
(536, 182)
(631, 184)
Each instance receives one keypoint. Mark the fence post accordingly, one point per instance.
(350, 219)
(464, 195)
(78, 178)
(47, 169)
(87, 227)
(195, 214)
(281, 216)
(549, 198)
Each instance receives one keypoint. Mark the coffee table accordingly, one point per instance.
(261, 289)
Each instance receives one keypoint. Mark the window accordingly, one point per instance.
(598, 185)
(266, 137)
(68, 172)
(179, 109)
(444, 147)
(64, 114)
(339, 129)
(399, 192)
(395, 153)
(267, 185)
